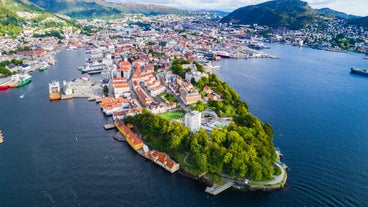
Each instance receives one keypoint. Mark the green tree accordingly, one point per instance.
(106, 91)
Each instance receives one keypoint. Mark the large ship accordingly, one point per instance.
(93, 68)
(359, 71)
(223, 54)
(54, 90)
(19, 80)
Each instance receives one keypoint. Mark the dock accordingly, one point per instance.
(119, 137)
(219, 189)
(109, 126)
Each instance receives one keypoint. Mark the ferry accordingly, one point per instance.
(94, 67)
(223, 54)
(359, 71)
(54, 90)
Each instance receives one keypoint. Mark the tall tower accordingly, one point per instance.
(193, 120)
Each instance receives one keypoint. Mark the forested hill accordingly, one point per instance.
(294, 14)
(361, 22)
(102, 9)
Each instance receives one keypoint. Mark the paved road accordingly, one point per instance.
(275, 180)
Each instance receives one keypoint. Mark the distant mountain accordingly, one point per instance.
(100, 8)
(147, 9)
(361, 22)
(336, 14)
(218, 12)
(294, 14)
(78, 8)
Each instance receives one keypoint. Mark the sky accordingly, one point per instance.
(355, 7)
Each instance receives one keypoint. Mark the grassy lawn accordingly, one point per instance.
(173, 115)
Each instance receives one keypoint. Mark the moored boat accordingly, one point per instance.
(359, 71)
(4, 87)
(54, 90)
(42, 69)
(19, 80)
(24, 80)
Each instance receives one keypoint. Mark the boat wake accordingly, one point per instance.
(22, 96)
(49, 197)
(75, 195)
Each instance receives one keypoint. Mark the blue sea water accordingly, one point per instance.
(58, 154)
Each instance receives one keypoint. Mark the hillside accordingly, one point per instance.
(77, 8)
(361, 22)
(337, 14)
(100, 8)
(293, 14)
(9, 22)
(16, 15)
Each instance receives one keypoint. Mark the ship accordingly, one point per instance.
(223, 54)
(54, 90)
(19, 80)
(359, 71)
(93, 68)
(42, 69)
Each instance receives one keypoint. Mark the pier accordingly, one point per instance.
(216, 190)
(109, 126)
(119, 137)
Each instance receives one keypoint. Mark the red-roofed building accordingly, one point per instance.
(124, 69)
(142, 96)
(164, 161)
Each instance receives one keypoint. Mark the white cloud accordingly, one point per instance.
(357, 7)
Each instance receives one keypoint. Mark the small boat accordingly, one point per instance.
(42, 69)
(1, 137)
(4, 87)
(359, 71)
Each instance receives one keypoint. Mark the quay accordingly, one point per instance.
(109, 126)
(216, 190)
(119, 137)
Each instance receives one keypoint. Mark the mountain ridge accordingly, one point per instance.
(101, 8)
(337, 14)
(294, 14)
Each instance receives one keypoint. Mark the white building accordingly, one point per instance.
(193, 120)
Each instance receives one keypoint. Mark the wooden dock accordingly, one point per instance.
(109, 126)
(119, 137)
(219, 189)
